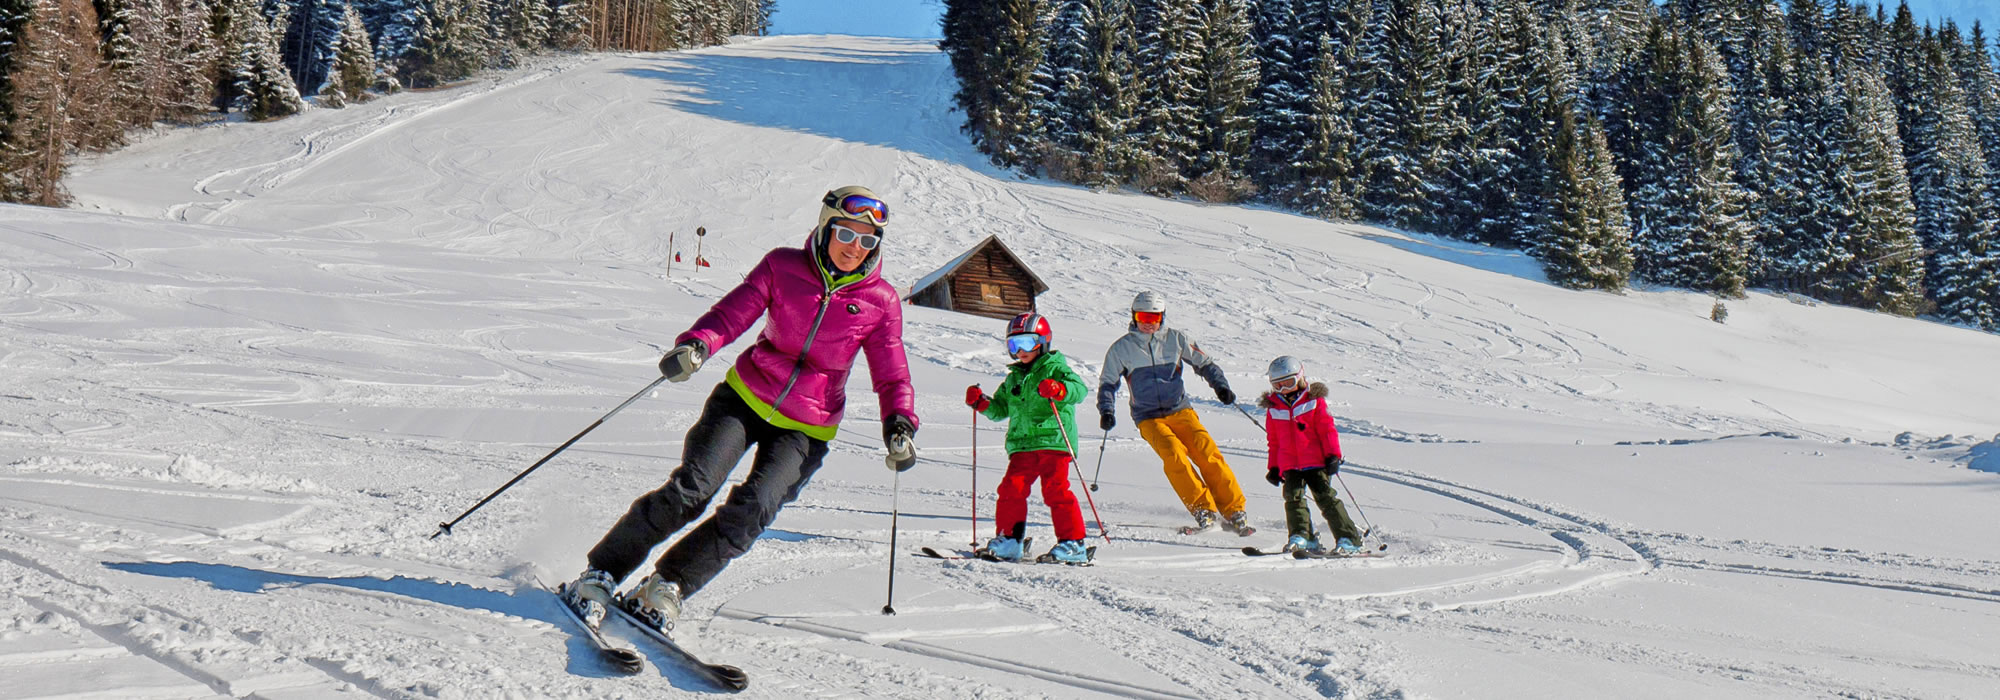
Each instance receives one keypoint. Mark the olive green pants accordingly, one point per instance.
(1298, 517)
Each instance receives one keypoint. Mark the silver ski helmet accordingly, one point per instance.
(1286, 373)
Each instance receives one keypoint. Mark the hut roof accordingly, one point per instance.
(950, 267)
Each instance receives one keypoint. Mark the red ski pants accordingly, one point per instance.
(1052, 467)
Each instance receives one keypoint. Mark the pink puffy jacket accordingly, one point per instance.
(1300, 435)
(816, 325)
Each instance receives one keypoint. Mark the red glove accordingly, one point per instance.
(976, 398)
(1052, 389)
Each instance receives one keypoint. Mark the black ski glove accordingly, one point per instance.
(1272, 476)
(682, 361)
(1106, 421)
(897, 434)
(1223, 394)
(1333, 463)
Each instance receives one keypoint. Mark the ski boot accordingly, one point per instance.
(1002, 549)
(589, 595)
(1346, 546)
(1239, 523)
(1204, 521)
(656, 602)
(1070, 552)
(1301, 542)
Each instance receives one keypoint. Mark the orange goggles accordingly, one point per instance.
(1149, 316)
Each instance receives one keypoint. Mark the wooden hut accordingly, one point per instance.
(988, 280)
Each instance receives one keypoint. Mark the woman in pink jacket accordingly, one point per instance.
(824, 303)
(1304, 453)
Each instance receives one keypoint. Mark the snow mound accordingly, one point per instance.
(184, 469)
(1985, 456)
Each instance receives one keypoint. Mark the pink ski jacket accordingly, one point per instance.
(795, 376)
(1300, 435)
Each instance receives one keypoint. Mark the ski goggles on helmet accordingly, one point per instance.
(1287, 384)
(1017, 344)
(860, 207)
(1149, 316)
(848, 235)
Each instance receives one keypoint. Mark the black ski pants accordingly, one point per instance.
(785, 461)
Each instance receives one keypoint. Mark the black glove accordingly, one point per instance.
(1272, 476)
(682, 361)
(898, 424)
(897, 432)
(1105, 420)
(1333, 463)
(1223, 394)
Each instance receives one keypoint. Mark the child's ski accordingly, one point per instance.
(1336, 554)
(1255, 552)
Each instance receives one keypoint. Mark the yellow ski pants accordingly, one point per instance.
(1180, 439)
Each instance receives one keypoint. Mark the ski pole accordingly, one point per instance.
(1246, 415)
(975, 478)
(1357, 505)
(1100, 460)
(1063, 430)
(895, 512)
(445, 528)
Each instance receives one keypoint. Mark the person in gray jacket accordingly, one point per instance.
(1149, 358)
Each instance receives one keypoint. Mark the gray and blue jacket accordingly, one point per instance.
(1152, 365)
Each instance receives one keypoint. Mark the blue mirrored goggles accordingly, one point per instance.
(1017, 344)
(861, 207)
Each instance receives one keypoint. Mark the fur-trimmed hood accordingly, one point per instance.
(1316, 390)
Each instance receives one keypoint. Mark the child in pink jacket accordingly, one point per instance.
(1304, 454)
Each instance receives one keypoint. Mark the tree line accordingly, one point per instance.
(1828, 149)
(78, 75)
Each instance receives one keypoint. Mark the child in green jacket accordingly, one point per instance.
(1038, 444)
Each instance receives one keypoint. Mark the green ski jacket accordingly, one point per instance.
(1031, 425)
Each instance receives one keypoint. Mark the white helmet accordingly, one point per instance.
(1149, 301)
(1285, 366)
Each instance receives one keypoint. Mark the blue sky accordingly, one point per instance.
(1961, 11)
(919, 18)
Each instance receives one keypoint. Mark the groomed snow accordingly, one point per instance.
(245, 384)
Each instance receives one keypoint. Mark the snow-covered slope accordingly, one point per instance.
(240, 395)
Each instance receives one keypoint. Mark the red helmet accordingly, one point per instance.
(1030, 323)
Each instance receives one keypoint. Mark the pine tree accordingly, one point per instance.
(1012, 126)
(1091, 106)
(1584, 241)
(1954, 211)
(1170, 112)
(264, 88)
(1226, 79)
(1686, 209)
(1478, 147)
(1406, 128)
(353, 62)
(61, 98)
(967, 44)
(1874, 260)
(1288, 33)
(1329, 168)
(160, 56)
(452, 42)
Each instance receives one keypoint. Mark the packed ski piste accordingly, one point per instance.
(823, 306)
